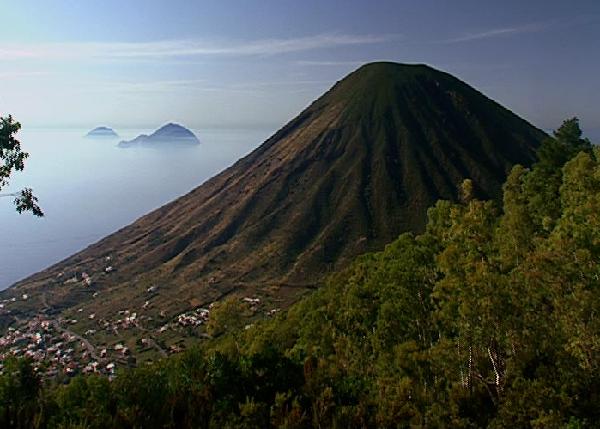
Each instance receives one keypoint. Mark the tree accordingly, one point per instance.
(543, 183)
(228, 315)
(12, 158)
(19, 393)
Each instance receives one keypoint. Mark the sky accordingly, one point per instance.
(245, 64)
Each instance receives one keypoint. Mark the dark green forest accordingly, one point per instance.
(489, 318)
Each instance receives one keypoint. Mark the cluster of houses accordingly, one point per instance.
(127, 320)
(200, 316)
(193, 318)
(52, 351)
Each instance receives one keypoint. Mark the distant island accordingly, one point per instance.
(102, 132)
(169, 134)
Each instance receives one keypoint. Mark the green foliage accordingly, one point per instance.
(13, 159)
(487, 319)
(19, 394)
(227, 315)
(543, 183)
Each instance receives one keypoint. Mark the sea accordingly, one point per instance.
(89, 188)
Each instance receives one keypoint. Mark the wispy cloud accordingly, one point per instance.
(153, 86)
(187, 48)
(197, 85)
(501, 32)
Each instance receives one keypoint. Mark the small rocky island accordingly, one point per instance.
(102, 132)
(167, 135)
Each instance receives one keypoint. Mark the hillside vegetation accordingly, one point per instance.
(486, 319)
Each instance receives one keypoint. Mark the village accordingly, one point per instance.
(56, 349)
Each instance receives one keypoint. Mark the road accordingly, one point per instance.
(89, 346)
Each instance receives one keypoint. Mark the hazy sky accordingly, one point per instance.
(244, 63)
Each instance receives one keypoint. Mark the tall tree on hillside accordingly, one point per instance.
(12, 158)
(543, 184)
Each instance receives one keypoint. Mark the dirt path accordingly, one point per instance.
(154, 344)
(89, 346)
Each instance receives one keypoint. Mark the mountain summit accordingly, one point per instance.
(169, 134)
(356, 168)
(102, 132)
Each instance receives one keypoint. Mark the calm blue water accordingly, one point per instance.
(90, 188)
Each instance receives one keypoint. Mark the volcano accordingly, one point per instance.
(356, 168)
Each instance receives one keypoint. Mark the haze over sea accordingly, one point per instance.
(89, 188)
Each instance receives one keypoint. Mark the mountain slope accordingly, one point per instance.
(356, 168)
